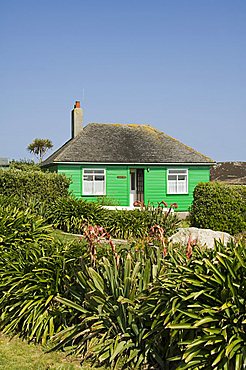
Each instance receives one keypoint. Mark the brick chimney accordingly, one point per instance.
(77, 119)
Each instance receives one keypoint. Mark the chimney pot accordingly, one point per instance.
(77, 119)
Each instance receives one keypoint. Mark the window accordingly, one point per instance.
(177, 181)
(93, 182)
(133, 180)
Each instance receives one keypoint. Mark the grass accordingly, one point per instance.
(16, 354)
(64, 236)
(184, 223)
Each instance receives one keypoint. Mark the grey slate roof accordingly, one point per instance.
(124, 143)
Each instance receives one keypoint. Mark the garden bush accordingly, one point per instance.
(70, 214)
(220, 207)
(145, 305)
(43, 186)
(18, 227)
(24, 165)
(111, 329)
(178, 311)
(137, 223)
(32, 275)
(34, 268)
(208, 315)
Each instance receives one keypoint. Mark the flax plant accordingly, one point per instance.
(34, 267)
(207, 303)
(109, 327)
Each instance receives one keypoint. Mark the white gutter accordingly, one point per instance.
(138, 164)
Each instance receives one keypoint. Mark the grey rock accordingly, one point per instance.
(203, 237)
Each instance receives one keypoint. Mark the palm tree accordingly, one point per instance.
(39, 147)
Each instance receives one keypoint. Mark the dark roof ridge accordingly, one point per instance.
(117, 124)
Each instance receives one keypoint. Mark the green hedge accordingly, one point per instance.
(18, 227)
(137, 223)
(35, 265)
(131, 307)
(218, 206)
(24, 165)
(25, 184)
(70, 215)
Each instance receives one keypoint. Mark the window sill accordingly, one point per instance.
(177, 193)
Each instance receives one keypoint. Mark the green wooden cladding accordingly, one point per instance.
(155, 183)
(118, 184)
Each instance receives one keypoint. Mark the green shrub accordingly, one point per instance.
(32, 275)
(43, 186)
(69, 214)
(111, 329)
(148, 305)
(24, 165)
(126, 224)
(34, 204)
(34, 268)
(208, 310)
(177, 312)
(18, 227)
(137, 223)
(219, 207)
(107, 201)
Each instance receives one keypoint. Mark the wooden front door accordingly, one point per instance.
(140, 185)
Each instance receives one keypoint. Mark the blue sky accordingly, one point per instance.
(178, 65)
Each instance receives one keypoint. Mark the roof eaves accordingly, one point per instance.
(141, 163)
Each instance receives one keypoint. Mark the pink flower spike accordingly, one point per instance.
(174, 205)
(164, 203)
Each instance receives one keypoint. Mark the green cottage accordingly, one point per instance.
(128, 162)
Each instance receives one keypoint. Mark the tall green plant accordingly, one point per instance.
(137, 223)
(70, 214)
(18, 227)
(31, 277)
(34, 268)
(207, 315)
(110, 328)
(39, 147)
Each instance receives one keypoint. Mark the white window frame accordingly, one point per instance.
(93, 173)
(178, 183)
